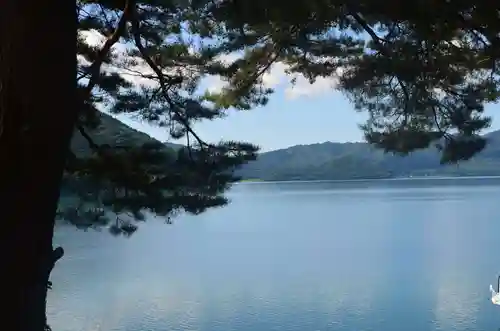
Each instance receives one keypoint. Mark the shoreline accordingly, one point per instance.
(254, 181)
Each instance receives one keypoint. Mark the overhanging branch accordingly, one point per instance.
(95, 68)
(161, 78)
(113, 39)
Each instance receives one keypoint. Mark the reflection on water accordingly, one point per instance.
(366, 255)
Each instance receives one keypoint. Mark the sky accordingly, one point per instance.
(283, 122)
(314, 115)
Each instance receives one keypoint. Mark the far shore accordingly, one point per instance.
(430, 177)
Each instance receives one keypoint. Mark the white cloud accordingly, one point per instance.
(215, 83)
(95, 38)
(92, 37)
(135, 72)
(275, 76)
(278, 77)
(303, 88)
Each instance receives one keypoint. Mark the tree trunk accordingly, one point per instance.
(38, 111)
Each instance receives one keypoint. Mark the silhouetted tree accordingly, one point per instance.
(423, 70)
(155, 75)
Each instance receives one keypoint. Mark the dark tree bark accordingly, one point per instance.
(38, 109)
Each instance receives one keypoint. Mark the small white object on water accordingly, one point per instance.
(495, 297)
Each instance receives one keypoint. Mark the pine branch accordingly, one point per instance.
(95, 68)
(161, 78)
(89, 139)
(113, 39)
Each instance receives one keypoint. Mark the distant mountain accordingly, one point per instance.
(362, 161)
(112, 132)
(321, 161)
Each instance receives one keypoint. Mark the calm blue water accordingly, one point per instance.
(365, 255)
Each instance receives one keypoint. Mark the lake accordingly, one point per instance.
(410, 255)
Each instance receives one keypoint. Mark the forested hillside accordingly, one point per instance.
(359, 160)
(327, 160)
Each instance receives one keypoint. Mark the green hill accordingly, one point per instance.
(361, 161)
(112, 132)
(321, 161)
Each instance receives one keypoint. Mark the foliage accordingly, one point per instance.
(423, 71)
(143, 64)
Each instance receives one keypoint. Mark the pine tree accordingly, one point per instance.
(42, 111)
(422, 70)
(155, 75)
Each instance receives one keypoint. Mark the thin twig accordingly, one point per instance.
(158, 72)
(95, 68)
